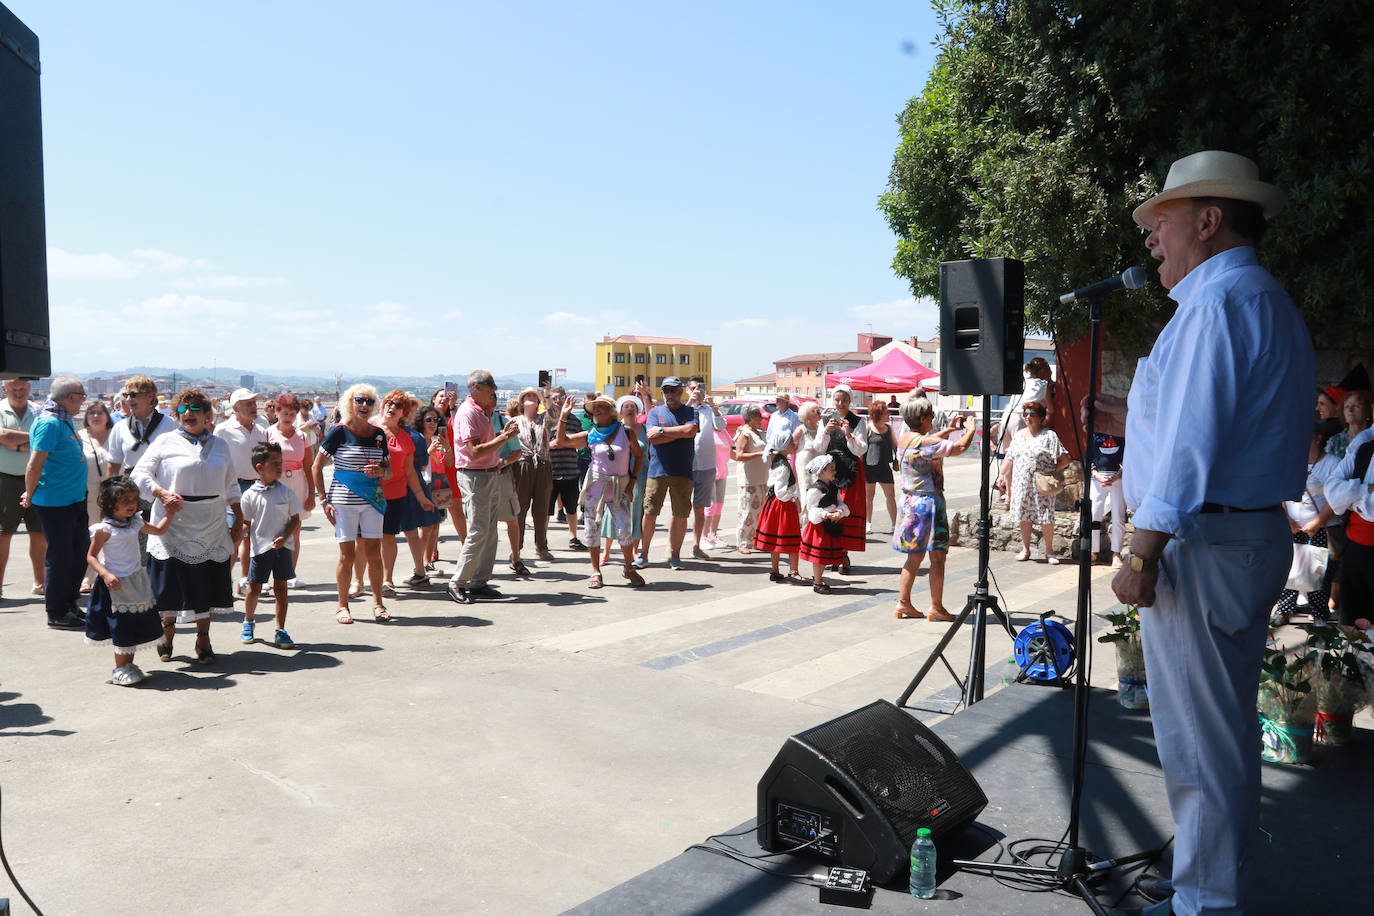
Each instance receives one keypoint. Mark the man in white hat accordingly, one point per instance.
(241, 432)
(1212, 451)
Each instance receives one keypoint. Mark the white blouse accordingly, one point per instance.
(186, 468)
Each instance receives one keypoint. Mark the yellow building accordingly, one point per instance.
(620, 359)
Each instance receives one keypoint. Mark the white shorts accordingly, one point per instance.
(353, 522)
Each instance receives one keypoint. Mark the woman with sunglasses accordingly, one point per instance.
(297, 459)
(922, 526)
(188, 566)
(354, 503)
(431, 448)
(609, 490)
(1034, 448)
(401, 489)
(96, 424)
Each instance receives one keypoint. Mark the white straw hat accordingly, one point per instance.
(1212, 173)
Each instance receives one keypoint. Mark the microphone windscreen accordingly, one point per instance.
(1134, 277)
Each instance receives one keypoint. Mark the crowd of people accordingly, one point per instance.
(153, 513)
(165, 515)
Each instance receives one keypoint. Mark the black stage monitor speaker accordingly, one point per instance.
(23, 246)
(872, 777)
(982, 326)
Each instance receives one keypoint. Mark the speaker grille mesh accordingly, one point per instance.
(903, 767)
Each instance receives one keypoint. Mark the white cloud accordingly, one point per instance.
(164, 262)
(227, 281)
(899, 318)
(64, 265)
(565, 319)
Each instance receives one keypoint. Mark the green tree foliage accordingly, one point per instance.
(1043, 124)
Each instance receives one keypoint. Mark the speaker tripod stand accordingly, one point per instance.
(979, 604)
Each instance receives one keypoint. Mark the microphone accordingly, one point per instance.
(1130, 278)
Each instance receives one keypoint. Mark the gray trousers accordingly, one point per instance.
(1204, 643)
(480, 491)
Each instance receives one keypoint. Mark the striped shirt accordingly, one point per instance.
(352, 452)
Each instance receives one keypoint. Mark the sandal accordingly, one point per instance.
(797, 577)
(776, 577)
(594, 581)
(380, 613)
(845, 568)
(636, 580)
(519, 568)
(205, 656)
(939, 614)
(164, 648)
(1023, 556)
(357, 591)
(905, 611)
(343, 616)
(388, 590)
(821, 589)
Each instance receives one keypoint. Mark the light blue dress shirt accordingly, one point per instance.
(1221, 409)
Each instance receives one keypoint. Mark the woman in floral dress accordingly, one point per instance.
(1034, 448)
(922, 524)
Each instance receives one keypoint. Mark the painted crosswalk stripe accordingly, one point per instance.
(664, 662)
(622, 630)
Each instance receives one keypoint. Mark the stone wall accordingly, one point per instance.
(1005, 534)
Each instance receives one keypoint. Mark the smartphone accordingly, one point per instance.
(451, 387)
(545, 378)
(639, 380)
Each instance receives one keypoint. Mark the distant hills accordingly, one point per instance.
(228, 377)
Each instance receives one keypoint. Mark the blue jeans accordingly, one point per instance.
(64, 565)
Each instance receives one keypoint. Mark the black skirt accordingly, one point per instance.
(179, 586)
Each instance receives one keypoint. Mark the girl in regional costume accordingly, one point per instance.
(778, 531)
(822, 540)
(121, 606)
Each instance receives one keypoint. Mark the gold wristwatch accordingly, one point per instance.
(1142, 564)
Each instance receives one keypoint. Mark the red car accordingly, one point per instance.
(733, 410)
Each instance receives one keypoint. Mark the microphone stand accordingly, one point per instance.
(1075, 868)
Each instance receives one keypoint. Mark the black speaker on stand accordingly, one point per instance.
(872, 778)
(982, 342)
(982, 326)
(24, 346)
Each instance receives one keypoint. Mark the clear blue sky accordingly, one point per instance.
(425, 187)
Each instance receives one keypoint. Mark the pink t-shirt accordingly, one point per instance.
(472, 422)
(292, 449)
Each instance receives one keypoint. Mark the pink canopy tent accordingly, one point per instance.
(895, 373)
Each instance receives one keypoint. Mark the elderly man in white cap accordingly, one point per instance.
(241, 432)
(1211, 454)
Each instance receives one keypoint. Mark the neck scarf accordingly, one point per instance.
(51, 408)
(599, 434)
(199, 438)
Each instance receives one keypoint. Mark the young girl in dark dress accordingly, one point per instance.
(121, 607)
(822, 540)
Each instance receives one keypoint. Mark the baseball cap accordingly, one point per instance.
(671, 381)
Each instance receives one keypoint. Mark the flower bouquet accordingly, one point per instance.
(1337, 681)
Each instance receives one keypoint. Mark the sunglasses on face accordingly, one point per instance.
(1031, 413)
(367, 401)
(188, 408)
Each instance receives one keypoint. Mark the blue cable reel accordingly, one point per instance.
(1044, 651)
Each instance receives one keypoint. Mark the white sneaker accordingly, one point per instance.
(241, 588)
(294, 583)
(126, 675)
(870, 527)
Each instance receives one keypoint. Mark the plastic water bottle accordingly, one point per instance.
(923, 865)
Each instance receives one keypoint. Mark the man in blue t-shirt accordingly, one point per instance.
(671, 428)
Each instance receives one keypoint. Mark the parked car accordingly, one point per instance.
(733, 410)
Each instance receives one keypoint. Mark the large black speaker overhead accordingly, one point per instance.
(23, 244)
(872, 777)
(982, 326)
